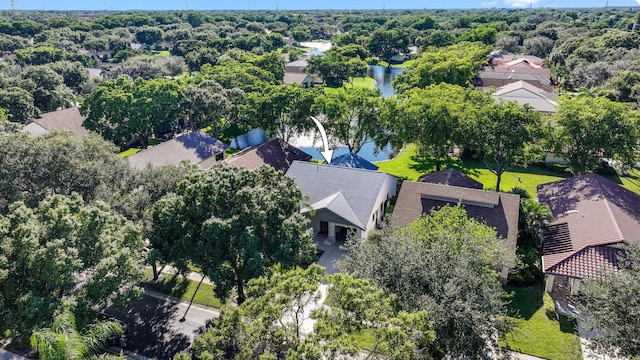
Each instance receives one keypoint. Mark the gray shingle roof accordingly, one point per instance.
(274, 152)
(65, 119)
(451, 177)
(195, 147)
(326, 185)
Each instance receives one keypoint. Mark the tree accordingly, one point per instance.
(63, 340)
(456, 64)
(18, 103)
(301, 33)
(270, 323)
(33, 168)
(352, 116)
(444, 264)
(46, 80)
(431, 117)
(280, 110)
(385, 44)
(203, 108)
(539, 46)
(121, 109)
(336, 68)
(65, 249)
(149, 35)
(589, 129)
(233, 223)
(611, 308)
(502, 134)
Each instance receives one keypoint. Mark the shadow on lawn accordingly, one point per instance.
(174, 285)
(567, 324)
(525, 301)
(426, 165)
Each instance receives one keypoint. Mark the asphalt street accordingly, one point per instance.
(154, 326)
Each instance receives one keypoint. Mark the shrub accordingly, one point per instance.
(549, 306)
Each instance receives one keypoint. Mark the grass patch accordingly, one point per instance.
(129, 152)
(160, 53)
(182, 288)
(359, 82)
(534, 333)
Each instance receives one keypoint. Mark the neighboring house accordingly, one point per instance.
(275, 153)
(196, 147)
(488, 78)
(451, 177)
(497, 59)
(297, 66)
(522, 66)
(65, 119)
(138, 46)
(342, 199)
(248, 139)
(291, 78)
(592, 217)
(500, 211)
(353, 161)
(525, 93)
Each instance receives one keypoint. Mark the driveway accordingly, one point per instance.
(154, 325)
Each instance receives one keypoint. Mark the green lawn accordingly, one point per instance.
(183, 288)
(409, 165)
(160, 53)
(359, 82)
(534, 333)
(129, 152)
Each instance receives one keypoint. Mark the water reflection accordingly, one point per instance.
(367, 152)
(383, 77)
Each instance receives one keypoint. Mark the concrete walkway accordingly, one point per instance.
(7, 355)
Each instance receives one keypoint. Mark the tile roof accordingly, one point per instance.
(597, 211)
(451, 177)
(358, 187)
(497, 210)
(525, 93)
(194, 147)
(353, 161)
(590, 263)
(65, 119)
(274, 152)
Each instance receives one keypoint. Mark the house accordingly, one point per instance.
(353, 161)
(451, 177)
(498, 210)
(525, 93)
(498, 59)
(592, 217)
(291, 78)
(342, 199)
(297, 66)
(196, 147)
(65, 119)
(489, 78)
(275, 153)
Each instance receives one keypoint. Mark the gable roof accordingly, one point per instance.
(591, 262)
(498, 210)
(522, 62)
(195, 146)
(335, 187)
(596, 211)
(65, 119)
(451, 177)
(299, 78)
(275, 152)
(353, 161)
(525, 93)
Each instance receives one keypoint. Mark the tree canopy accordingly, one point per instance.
(64, 249)
(233, 223)
(444, 264)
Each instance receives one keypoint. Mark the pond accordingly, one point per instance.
(368, 152)
(383, 77)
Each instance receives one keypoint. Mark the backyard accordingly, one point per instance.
(410, 165)
(534, 333)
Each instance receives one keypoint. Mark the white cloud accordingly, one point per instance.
(495, 2)
(524, 3)
(638, 1)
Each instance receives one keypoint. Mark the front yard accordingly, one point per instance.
(534, 333)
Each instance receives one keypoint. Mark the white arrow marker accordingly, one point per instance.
(327, 154)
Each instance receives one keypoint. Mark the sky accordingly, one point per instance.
(298, 4)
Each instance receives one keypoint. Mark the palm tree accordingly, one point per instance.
(63, 340)
(534, 214)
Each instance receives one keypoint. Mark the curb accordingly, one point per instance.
(157, 295)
